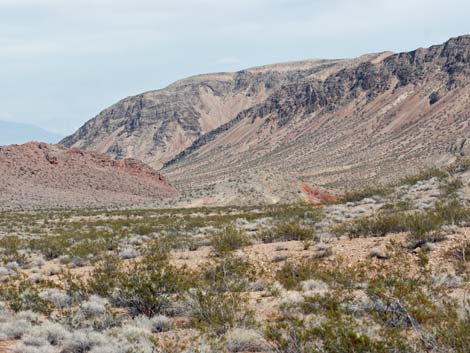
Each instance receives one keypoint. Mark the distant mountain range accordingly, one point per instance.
(256, 135)
(18, 133)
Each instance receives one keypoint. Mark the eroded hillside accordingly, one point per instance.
(38, 175)
(254, 136)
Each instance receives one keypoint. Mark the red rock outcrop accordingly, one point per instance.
(315, 196)
(41, 175)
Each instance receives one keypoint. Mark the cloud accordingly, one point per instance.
(68, 59)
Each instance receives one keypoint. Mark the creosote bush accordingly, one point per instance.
(288, 231)
(227, 241)
(425, 174)
(366, 192)
(423, 226)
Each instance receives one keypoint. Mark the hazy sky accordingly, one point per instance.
(63, 61)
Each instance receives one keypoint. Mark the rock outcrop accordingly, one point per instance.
(38, 175)
(337, 123)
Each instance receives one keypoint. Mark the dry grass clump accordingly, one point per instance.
(246, 340)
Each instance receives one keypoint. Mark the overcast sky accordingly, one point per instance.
(63, 61)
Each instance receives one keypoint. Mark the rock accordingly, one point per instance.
(427, 246)
(379, 252)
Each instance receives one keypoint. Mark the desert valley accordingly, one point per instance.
(314, 206)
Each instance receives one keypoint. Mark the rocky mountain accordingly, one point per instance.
(257, 135)
(155, 126)
(15, 133)
(40, 175)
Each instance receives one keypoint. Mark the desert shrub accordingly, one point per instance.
(336, 335)
(425, 174)
(161, 323)
(227, 241)
(94, 306)
(46, 337)
(288, 231)
(105, 277)
(452, 212)
(460, 165)
(22, 295)
(451, 185)
(218, 312)
(377, 225)
(83, 341)
(217, 302)
(314, 285)
(335, 275)
(128, 253)
(291, 275)
(14, 328)
(229, 273)
(366, 192)
(398, 206)
(56, 297)
(144, 288)
(433, 98)
(157, 251)
(461, 252)
(147, 292)
(424, 227)
(452, 333)
(245, 340)
(10, 249)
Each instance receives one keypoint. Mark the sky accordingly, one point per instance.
(63, 61)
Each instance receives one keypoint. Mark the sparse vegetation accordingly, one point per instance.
(370, 191)
(267, 279)
(423, 175)
(288, 232)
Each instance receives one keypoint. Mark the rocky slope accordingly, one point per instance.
(155, 126)
(330, 123)
(41, 175)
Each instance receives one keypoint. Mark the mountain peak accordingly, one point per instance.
(223, 135)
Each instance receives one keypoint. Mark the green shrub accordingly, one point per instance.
(452, 212)
(376, 226)
(291, 231)
(291, 274)
(424, 227)
(335, 335)
(450, 186)
(227, 241)
(366, 192)
(229, 273)
(424, 175)
(143, 289)
(21, 295)
(218, 312)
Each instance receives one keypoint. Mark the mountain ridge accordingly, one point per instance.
(18, 133)
(336, 123)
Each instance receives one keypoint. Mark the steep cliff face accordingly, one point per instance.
(369, 122)
(335, 123)
(155, 126)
